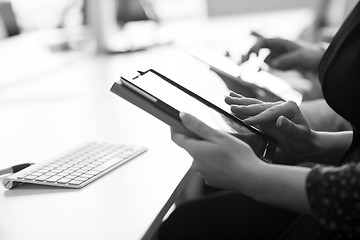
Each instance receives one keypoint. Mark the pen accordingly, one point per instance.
(256, 34)
(15, 168)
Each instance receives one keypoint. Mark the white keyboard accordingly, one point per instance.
(76, 168)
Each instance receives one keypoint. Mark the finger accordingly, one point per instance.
(252, 109)
(286, 109)
(286, 61)
(255, 49)
(287, 126)
(178, 137)
(185, 141)
(234, 94)
(198, 127)
(195, 166)
(270, 43)
(241, 101)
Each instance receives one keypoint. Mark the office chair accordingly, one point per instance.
(8, 18)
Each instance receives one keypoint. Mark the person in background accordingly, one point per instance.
(276, 201)
(304, 58)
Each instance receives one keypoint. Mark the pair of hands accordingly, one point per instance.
(227, 162)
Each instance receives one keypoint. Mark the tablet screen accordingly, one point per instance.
(183, 102)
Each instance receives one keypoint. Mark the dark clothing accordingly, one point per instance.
(339, 70)
(220, 216)
(333, 191)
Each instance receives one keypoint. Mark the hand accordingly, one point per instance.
(221, 159)
(282, 120)
(288, 55)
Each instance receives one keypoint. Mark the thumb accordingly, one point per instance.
(198, 127)
(287, 126)
(286, 61)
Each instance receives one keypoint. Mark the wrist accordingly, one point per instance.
(309, 151)
(314, 149)
(257, 180)
(282, 186)
(327, 147)
(331, 146)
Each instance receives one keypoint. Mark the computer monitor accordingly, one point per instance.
(107, 19)
(7, 18)
(134, 10)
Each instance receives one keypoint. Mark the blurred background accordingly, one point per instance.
(78, 24)
(38, 37)
(35, 35)
(22, 16)
(54, 54)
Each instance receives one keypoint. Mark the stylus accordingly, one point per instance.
(15, 168)
(257, 35)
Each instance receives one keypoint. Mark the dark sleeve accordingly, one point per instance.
(334, 196)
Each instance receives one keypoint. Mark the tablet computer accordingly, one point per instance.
(165, 99)
(262, 84)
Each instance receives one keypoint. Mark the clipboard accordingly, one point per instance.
(164, 98)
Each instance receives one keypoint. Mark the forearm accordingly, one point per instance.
(321, 117)
(329, 146)
(282, 186)
(326, 148)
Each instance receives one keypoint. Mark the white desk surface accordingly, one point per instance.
(48, 111)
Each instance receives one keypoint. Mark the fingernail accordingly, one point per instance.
(279, 121)
(183, 117)
(236, 106)
(246, 121)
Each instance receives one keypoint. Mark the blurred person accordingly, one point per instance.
(303, 57)
(274, 201)
(284, 55)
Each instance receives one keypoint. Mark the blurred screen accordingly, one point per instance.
(132, 10)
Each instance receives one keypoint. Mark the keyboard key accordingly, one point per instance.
(108, 164)
(75, 182)
(81, 171)
(64, 180)
(92, 172)
(43, 177)
(81, 178)
(54, 178)
(87, 175)
(36, 174)
(68, 171)
(30, 177)
(62, 174)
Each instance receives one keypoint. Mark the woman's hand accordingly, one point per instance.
(221, 159)
(282, 120)
(288, 55)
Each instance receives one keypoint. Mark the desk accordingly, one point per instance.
(48, 113)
